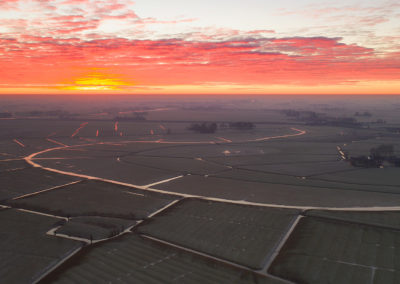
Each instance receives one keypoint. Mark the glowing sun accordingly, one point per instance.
(97, 81)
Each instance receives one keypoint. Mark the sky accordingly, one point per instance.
(199, 47)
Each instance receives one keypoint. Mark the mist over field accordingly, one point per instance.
(199, 189)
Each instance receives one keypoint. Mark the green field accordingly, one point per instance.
(111, 168)
(388, 219)
(374, 176)
(179, 165)
(95, 198)
(275, 193)
(26, 252)
(132, 259)
(314, 181)
(305, 169)
(242, 234)
(6, 166)
(328, 251)
(28, 180)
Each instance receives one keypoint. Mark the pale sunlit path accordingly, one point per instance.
(45, 190)
(224, 139)
(19, 143)
(56, 142)
(79, 129)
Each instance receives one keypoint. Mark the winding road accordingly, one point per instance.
(31, 160)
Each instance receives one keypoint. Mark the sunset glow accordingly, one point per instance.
(96, 82)
(178, 47)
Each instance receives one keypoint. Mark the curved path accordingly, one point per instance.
(29, 159)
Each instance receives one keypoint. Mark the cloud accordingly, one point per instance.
(296, 60)
(51, 44)
(356, 15)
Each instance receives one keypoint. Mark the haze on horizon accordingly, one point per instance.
(193, 47)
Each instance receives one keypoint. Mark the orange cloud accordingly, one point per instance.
(315, 61)
(53, 50)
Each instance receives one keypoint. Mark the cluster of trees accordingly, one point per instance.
(393, 129)
(378, 156)
(382, 151)
(211, 127)
(205, 127)
(313, 118)
(365, 113)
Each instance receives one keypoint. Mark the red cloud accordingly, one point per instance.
(306, 61)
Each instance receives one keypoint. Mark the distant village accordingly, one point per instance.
(379, 157)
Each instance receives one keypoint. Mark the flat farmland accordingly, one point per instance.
(312, 182)
(388, 219)
(327, 251)
(6, 166)
(26, 252)
(293, 146)
(37, 128)
(122, 129)
(199, 239)
(95, 198)
(29, 180)
(112, 168)
(281, 194)
(133, 259)
(264, 158)
(331, 134)
(303, 169)
(277, 153)
(179, 165)
(241, 234)
(12, 150)
(218, 115)
(210, 150)
(102, 149)
(371, 176)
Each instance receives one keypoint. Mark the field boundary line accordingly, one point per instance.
(45, 190)
(352, 222)
(162, 181)
(282, 242)
(51, 269)
(40, 213)
(19, 143)
(224, 139)
(56, 142)
(52, 232)
(230, 263)
(164, 208)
